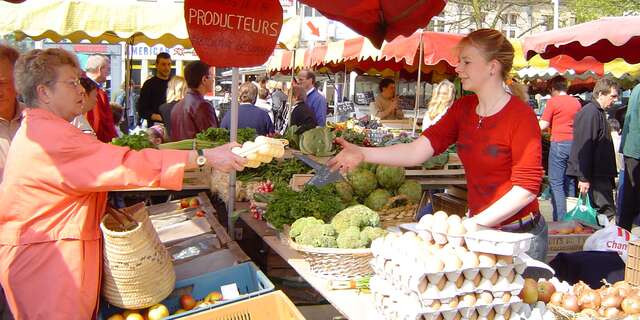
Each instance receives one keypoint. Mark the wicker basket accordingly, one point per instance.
(564, 314)
(335, 263)
(138, 272)
(397, 212)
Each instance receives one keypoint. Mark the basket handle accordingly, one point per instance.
(123, 221)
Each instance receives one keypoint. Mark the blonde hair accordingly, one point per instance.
(495, 46)
(248, 93)
(40, 67)
(176, 89)
(441, 98)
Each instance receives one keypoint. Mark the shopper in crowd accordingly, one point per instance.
(54, 192)
(559, 114)
(314, 100)
(630, 148)
(90, 99)
(278, 104)
(301, 115)
(156, 134)
(10, 117)
(129, 100)
(497, 137)
(441, 99)
(262, 103)
(386, 103)
(250, 116)
(117, 111)
(154, 91)
(98, 69)
(176, 91)
(592, 160)
(194, 114)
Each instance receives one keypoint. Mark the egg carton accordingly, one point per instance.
(441, 237)
(498, 309)
(498, 242)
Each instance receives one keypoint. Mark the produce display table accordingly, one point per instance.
(350, 303)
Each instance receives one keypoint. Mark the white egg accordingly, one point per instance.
(470, 260)
(454, 218)
(456, 229)
(440, 226)
(433, 265)
(487, 259)
(426, 221)
(440, 216)
(452, 262)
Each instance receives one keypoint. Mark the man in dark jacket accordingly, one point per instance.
(154, 91)
(592, 158)
(194, 114)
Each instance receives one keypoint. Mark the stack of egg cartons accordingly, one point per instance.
(432, 274)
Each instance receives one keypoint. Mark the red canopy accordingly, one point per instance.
(380, 20)
(604, 39)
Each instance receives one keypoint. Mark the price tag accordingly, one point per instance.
(229, 291)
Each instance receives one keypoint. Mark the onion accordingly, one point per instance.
(631, 305)
(590, 312)
(612, 312)
(624, 288)
(589, 299)
(611, 301)
(579, 287)
(556, 298)
(570, 302)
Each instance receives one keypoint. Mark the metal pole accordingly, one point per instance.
(418, 86)
(235, 83)
(556, 13)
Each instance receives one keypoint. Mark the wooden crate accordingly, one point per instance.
(567, 242)
(632, 269)
(298, 181)
(451, 174)
(449, 204)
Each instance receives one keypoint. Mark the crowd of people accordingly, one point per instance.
(57, 169)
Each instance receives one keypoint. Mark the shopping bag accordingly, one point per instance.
(583, 212)
(611, 238)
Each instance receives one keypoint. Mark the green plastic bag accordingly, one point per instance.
(583, 212)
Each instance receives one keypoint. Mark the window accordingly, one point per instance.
(513, 19)
(547, 21)
(509, 33)
(308, 12)
(436, 24)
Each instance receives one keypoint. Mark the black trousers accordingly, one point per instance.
(601, 195)
(5, 313)
(630, 193)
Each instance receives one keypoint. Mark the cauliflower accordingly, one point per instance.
(299, 225)
(318, 235)
(350, 239)
(355, 216)
(368, 234)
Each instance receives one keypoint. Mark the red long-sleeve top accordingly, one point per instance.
(101, 118)
(501, 152)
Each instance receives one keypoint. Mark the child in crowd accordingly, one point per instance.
(156, 134)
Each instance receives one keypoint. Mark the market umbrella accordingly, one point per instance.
(586, 68)
(111, 21)
(604, 39)
(380, 20)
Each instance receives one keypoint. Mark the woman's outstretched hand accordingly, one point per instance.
(348, 159)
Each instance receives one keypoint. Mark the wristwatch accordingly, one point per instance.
(201, 160)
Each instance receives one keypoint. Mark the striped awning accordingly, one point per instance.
(360, 54)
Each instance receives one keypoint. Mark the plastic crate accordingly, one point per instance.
(250, 280)
(274, 305)
(632, 269)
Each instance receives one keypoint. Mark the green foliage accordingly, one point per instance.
(279, 172)
(587, 10)
(292, 136)
(220, 136)
(136, 141)
(287, 205)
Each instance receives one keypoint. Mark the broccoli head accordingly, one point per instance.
(350, 239)
(299, 225)
(318, 236)
(368, 234)
(355, 216)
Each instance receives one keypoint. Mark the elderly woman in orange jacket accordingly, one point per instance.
(55, 188)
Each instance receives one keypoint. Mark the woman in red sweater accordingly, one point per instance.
(497, 137)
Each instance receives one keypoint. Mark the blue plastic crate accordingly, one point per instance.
(250, 280)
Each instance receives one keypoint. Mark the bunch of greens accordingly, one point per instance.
(136, 141)
(287, 205)
(220, 136)
(279, 172)
(352, 136)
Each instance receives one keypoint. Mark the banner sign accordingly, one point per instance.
(233, 33)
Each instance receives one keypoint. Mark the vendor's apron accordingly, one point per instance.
(52, 280)
(535, 224)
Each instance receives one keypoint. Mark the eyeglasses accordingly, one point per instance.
(75, 82)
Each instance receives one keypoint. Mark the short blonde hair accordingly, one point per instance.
(176, 89)
(248, 93)
(40, 67)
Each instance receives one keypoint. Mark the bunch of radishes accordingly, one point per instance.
(265, 187)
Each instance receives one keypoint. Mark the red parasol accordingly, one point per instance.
(380, 20)
(604, 39)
